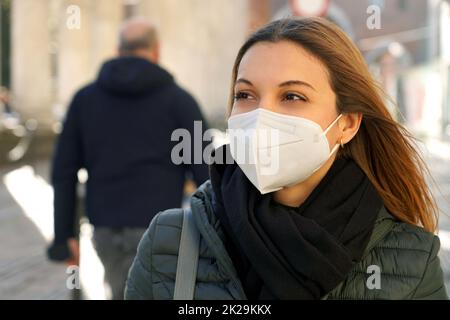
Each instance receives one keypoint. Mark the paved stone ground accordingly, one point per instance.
(25, 272)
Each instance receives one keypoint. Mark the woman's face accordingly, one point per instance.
(283, 77)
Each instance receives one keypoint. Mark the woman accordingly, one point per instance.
(343, 213)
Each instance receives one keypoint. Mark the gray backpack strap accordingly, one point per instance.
(187, 259)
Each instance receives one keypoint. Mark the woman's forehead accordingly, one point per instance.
(281, 61)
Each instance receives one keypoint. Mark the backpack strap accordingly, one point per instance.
(188, 255)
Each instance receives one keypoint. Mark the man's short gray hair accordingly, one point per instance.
(137, 33)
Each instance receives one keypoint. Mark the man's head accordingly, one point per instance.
(138, 37)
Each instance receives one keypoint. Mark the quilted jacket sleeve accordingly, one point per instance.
(432, 287)
(139, 282)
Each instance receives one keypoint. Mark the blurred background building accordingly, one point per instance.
(50, 48)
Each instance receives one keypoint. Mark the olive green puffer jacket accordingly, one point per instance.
(406, 256)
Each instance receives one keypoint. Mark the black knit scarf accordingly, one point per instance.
(303, 252)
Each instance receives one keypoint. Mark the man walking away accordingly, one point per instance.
(119, 129)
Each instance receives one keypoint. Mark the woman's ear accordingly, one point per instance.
(349, 125)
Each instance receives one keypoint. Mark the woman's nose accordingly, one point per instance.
(267, 105)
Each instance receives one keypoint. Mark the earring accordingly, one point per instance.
(342, 145)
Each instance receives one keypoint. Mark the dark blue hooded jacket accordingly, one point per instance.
(119, 128)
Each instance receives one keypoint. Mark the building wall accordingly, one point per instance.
(51, 61)
(31, 64)
(199, 41)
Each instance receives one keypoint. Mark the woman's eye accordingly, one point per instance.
(241, 95)
(294, 97)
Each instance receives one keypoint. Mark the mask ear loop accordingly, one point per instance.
(336, 147)
(332, 124)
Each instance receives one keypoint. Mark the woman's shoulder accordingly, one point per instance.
(406, 251)
(156, 252)
(409, 262)
(408, 237)
(394, 235)
(164, 230)
(152, 275)
(403, 263)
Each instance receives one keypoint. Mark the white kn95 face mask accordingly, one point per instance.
(276, 150)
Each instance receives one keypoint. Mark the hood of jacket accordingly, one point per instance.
(131, 76)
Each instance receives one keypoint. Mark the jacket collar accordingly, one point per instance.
(383, 224)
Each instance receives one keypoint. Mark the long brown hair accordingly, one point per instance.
(382, 147)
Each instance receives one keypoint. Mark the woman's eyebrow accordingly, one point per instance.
(283, 84)
(242, 80)
(296, 82)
